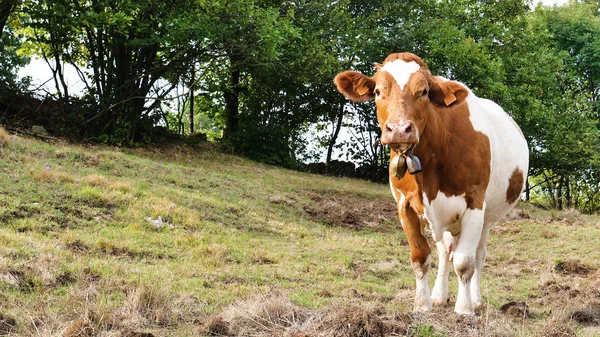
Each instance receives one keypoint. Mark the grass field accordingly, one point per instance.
(187, 241)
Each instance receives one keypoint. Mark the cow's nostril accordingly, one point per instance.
(388, 128)
(408, 129)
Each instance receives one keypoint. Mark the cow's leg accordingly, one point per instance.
(445, 248)
(479, 262)
(465, 256)
(420, 255)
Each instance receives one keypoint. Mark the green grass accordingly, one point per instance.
(74, 234)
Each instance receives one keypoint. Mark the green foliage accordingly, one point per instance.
(124, 49)
(565, 124)
(10, 59)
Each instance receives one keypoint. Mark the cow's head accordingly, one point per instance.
(405, 94)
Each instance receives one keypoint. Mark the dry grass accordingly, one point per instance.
(254, 251)
(266, 314)
(47, 175)
(148, 306)
(96, 180)
(4, 137)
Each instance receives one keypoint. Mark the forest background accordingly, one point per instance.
(255, 77)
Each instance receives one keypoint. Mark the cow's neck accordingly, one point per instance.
(433, 141)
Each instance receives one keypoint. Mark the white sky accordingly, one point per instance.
(552, 2)
(40, 73)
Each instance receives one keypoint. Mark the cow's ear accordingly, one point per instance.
(447, 93)
(355, 85)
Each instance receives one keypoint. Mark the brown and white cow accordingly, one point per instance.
(474, 163)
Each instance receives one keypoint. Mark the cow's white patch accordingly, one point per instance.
(396, 193)
(463, 304)
(439, 294)
(422, 294)
(401, 70)
(444, 214)
(508, 151)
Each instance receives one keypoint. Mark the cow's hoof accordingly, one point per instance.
(422, 303)
(440, 301)
(423, 308)
(464, 311)
(439, 298)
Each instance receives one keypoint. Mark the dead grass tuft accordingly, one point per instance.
(96, 180)
(49, 176)
(263, 315)
(23, 281)
(556, 329)
(149, 305)
(548, 235)
(4, 137)
(353, 322)
(79, 328)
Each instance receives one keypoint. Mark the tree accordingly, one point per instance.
(10, 60)
(568, 157)
(122, 49)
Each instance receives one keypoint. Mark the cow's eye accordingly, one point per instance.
(424, 93)
(377, 92)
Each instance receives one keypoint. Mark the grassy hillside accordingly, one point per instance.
(180, 241)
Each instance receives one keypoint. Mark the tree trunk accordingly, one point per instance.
(568, 197)
(559, 194)
(231, 95)
(336, 132)
(6, 7)
(193, 75)
(61, 76)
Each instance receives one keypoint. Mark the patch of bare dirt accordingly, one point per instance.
(136, 334)
(572, 267)
(516, 309)
(353, 322)
(214, 326)
(7, 324)
(349, 210)
(590, 315)
(77, 247)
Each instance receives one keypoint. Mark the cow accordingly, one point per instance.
(473, 166)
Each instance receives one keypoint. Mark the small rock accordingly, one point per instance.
(279, 200)
(39, 130)
(159, 223)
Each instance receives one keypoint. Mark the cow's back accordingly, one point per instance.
(509, 152)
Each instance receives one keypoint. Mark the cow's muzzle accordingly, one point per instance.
(400, 135)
